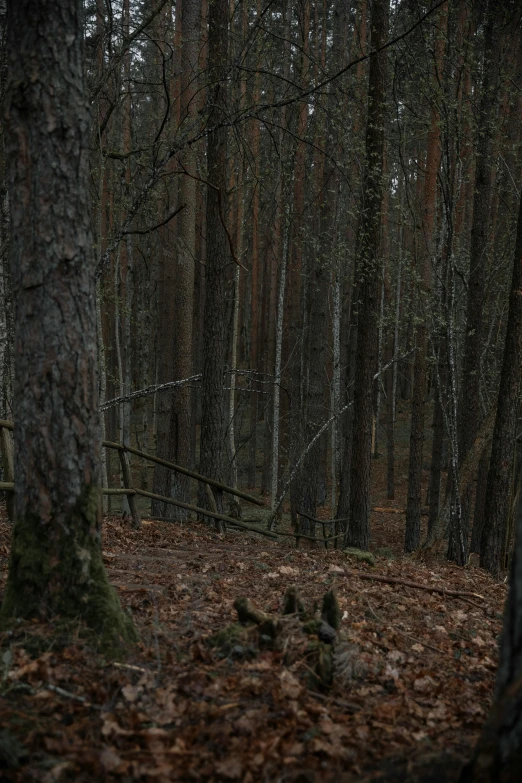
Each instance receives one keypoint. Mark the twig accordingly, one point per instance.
(68, 695)
(150, 229)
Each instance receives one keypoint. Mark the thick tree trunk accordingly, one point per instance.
(56, 566)
(504, 436)
(469, 403)
(427, 244)
(213, 422)
(498, 756)
(181, 339)
(368, 270)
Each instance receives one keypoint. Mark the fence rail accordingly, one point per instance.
(132, 493)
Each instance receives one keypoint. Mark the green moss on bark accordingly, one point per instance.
(56, 570)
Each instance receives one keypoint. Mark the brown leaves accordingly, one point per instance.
(410, 666)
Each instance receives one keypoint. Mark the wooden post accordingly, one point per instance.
(131, 497)
(220, 525)
(6, 444)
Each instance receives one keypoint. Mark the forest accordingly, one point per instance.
(260, 364)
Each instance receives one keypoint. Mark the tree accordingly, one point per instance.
(499, 481)
(56, 566)
(469, 403)
(498, 755)
(368, 273)
(218, 253)
(181, 341)
(428, 228)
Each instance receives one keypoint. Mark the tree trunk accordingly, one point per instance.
(504, 436)
(217, 256)
(56, 566)
(368, 269)
(166, 287)
(427, 242)
(498, 755)
(469, 402)
(181, 339)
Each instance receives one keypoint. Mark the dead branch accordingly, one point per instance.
(392, 580)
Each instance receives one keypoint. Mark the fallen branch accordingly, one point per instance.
(392, 580)
(383, 510)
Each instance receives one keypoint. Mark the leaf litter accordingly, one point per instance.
(413, 670)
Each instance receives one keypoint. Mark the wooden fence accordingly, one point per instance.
(132, 493)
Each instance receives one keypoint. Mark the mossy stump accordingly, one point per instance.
(256, 630)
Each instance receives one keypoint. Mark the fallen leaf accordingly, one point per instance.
(290, 686)
(231, 768)
(424, 684)
(131, 692)
(109, 759)
(288, 570)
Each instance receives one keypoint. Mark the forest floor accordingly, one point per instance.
(414, 671)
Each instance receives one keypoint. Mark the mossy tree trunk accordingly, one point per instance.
(56, 567)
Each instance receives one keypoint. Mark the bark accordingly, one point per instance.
(368, 272)
(217, 254)
(181, 401)
(479, 516)
(55, 567)
(469, 402)
(348, 282)
(166, 285)
(281, 254)
(466, 476)
(255, 279)
(293, 345)
(498, 755)
(6, 314)
(436, 457)
(504, 436)
(427, 248)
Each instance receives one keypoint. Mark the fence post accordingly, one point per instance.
(131, 499)
(6, 444)
(220, 525)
